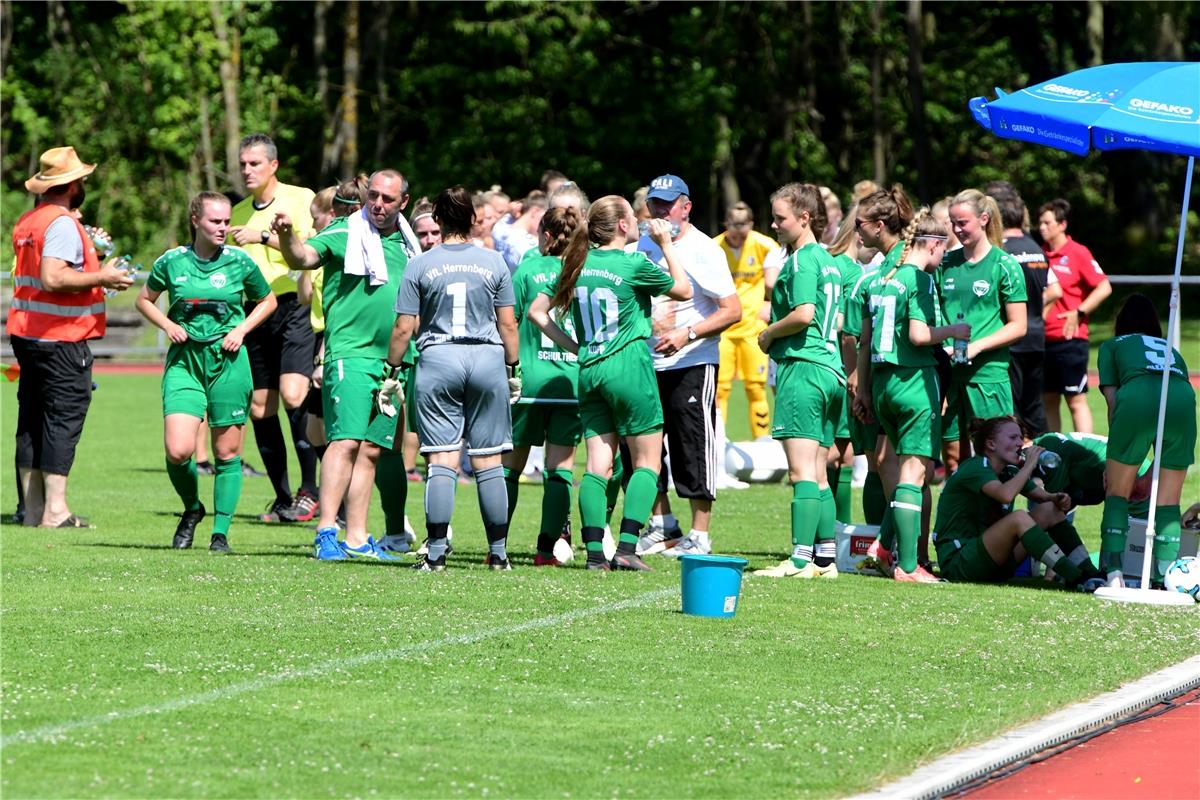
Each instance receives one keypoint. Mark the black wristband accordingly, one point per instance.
(1081, 314)
(393, 371)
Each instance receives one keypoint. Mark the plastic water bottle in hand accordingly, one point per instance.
(125, 262)
(959, 356)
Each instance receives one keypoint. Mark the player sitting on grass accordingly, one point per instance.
(207, 370)
(981, 538)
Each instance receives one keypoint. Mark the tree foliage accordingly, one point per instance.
(736, 97)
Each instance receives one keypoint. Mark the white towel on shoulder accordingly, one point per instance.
(364, 250)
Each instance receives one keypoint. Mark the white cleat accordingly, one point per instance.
(694, 544)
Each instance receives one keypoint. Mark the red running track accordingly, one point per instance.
(1155, 759)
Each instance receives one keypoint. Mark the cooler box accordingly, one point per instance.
(852, 544)
(1135, 548)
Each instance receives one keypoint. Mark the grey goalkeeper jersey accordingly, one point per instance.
(455, 289)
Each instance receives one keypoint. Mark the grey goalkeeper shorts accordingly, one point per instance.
(462, 393)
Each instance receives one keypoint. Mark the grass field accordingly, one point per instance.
(131, 670)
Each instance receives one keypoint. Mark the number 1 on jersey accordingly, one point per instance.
(458, 312)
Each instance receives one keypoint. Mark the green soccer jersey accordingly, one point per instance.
(1082, 465)
(963, 510)
(980, 292)
(1133, 356)
(850, 271)
(810, 275)
(547, 371)
(206, 296)
(610, 306)
(856, 302)
(893, 302)
(358, 316)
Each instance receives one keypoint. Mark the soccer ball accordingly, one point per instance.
(1183, 575)
(756, 462)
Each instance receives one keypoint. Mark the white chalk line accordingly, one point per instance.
(58, 730)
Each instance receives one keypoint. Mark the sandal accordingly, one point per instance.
(72, 521)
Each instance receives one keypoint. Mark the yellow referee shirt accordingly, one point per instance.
(293, 201)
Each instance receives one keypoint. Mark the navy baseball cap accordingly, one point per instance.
(667, 187)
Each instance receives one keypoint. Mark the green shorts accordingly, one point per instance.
(348, 392)
(864, 435)
(907, 404)
(202, 380)
(808, 402)
(620, 393)
(966, 401)
(535, 424)
(1135, 423)
(968, 561)
(842, 431)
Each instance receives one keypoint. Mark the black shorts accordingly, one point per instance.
(285, 343)
(53, 396)
(689, 401)
(1066, 367)
(1025, 374)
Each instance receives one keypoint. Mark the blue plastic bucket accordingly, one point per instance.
(711, 585)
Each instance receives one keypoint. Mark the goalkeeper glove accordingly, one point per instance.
(514, 382)
(391, 388)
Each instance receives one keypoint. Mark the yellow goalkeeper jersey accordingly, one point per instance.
(746, 267)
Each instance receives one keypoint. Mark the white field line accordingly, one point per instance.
(939, 777)
(58, 730)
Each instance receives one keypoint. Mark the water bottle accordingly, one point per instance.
(960, 347)
(125, 262)
(644, 228)
(1048, 461)
(102, 243)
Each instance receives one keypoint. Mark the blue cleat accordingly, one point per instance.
(326, 547)
(370, 550)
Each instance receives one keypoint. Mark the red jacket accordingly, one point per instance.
(38, 313)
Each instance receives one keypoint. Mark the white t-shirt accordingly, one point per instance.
(708, 271)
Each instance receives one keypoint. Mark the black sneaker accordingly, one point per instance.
(250, 472)
(278, 511)
(497, 564)
(602, 566)
(205, 468)
(430, 565)
(629, 562)
(185, 531)
(219, 544)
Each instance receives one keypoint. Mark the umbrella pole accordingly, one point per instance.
(1172, 327)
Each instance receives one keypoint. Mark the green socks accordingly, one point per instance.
(840, 479)
(227, 488)
(639, 501)
(1039, 545)
(1114, 528)
(874, 501)
(592, 489)
(842, 492)
(556, 500)
(825, 551)
(1067, 538)
(392, 483)
(906, 521)
(186, 482)
(614, 485)
(806, 517)
(1166, 539)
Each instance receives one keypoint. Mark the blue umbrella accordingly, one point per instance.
(1152, 106)
(1149, 106)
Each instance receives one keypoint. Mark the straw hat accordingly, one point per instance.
(60, 165)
